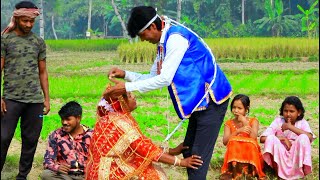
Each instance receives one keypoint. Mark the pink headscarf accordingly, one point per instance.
(29, 12)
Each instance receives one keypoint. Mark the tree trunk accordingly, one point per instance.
(178, 10)
(243, 1)
(53, 29)
(41, 20)
(290, 7)
(89, 15)
(124, 29)
(105, 28)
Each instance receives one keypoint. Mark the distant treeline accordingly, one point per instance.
(71, 19)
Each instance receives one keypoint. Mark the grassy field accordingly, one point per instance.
(82, 76)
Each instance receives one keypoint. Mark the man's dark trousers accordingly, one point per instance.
(203, 130)
(31, 115)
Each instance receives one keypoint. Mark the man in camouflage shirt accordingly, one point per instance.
(26, 87)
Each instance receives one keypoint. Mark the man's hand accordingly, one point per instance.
(3, 107)
(46, 107)
(116, 73)
(64, 169)
(116, 90)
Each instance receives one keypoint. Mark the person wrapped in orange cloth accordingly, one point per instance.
(119, 150)
(243, 158)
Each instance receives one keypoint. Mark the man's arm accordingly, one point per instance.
(134, 76)
(43, 74)
(175, 50)
(2, 64)
(3, 104)
(51, 154)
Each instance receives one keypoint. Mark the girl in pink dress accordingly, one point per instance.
(287, 141)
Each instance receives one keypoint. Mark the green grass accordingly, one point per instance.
(255, 83)
(82, 76)
(87, 89)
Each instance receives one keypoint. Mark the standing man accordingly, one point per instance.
(68, 147)
(25, 87)
(198, 88)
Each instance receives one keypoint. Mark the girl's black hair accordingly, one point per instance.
(245, 100)
(139, 17)
(296, 102)
(25, 4)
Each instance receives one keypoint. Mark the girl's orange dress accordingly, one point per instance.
(243, 156)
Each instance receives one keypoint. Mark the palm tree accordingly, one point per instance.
(310, 19)
(124, 28)
(275, 20)
(89, 16)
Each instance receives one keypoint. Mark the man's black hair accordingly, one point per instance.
(72, 108)
(25, 4)
(139, 17)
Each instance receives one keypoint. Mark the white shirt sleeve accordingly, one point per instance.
(133, 76)
(175, 50)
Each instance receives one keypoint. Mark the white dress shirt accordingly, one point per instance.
(176, 47)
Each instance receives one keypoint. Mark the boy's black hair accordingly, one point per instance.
(139, 17)
(72, 108)
(296, 102)
(244, 99)
(25, 4)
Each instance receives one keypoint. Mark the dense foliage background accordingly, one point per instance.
(69, 19)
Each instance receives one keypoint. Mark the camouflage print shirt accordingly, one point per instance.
(21, 73)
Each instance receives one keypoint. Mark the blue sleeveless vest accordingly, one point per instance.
(197, 76)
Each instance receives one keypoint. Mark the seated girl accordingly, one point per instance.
(119, 150)
(287, 141)
(243, 157)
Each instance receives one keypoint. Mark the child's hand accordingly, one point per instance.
(286, 126)
(243, 119)
(287, 143)
(246, 129)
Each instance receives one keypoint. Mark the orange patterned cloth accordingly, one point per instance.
(119, 150)
(243, 156)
